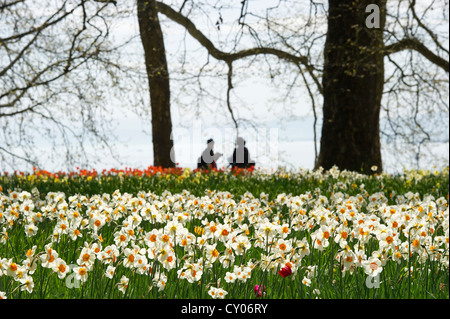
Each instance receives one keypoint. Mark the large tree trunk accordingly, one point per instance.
(353, 81)
(158, 79)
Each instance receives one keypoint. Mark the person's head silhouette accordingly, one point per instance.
(240, 142)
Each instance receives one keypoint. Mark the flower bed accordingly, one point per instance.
(342, 235)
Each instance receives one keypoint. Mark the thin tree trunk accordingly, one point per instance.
(353, 81)
(158, 79)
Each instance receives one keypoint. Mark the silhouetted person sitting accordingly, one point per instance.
(208, 158)
(241, 156)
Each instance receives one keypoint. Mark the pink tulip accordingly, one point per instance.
(259, 290)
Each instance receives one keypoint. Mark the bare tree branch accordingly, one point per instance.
(230, 57)
(416, 45)
(229, 88)
(424, 27)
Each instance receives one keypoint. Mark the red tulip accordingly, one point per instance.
(285, 271)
